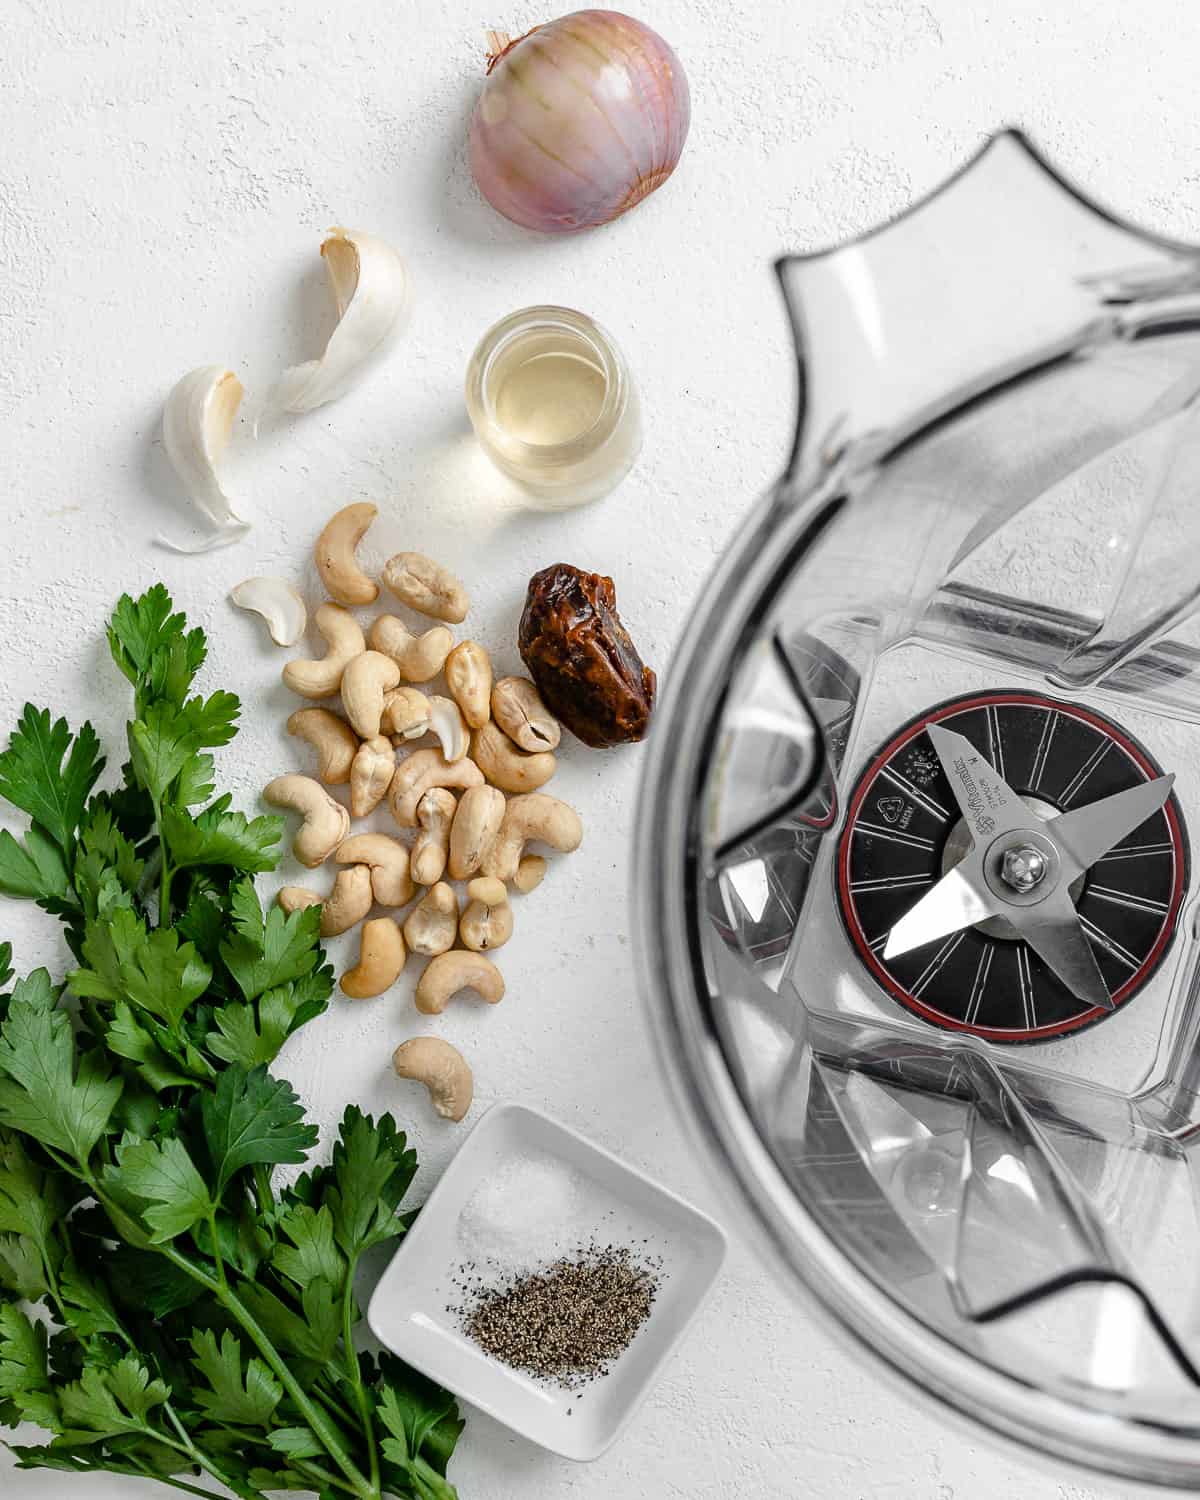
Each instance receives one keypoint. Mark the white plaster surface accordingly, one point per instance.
(166, 170)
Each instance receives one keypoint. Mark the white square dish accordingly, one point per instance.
(410, 1311)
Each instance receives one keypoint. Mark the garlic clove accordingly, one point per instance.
(277, 602)
(371, 290)
(197, 420)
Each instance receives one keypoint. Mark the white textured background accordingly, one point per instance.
(166, 170)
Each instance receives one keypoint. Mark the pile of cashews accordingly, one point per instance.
(472, 800)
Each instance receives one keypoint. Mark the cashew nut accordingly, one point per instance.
(426, 586)
(448, 973)
(530, 873)
(405, 713)
(387, 860)
(469, 678)
(488, 920)
(371, 775)
(447, 723)
(419, 657)
(476, 824)
(435, 813)
(326, 822)
(518, 709)
(334, 552)
(381, 956)
(348, 902)
(442, 1069)
(505, 766)
(533, 816)
(295, 898)
(331, 737)
(420, 771)
(343, 635)
(364, 682)
(432, 924)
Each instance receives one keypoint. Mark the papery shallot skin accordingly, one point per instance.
(578, 121)
(579, 654)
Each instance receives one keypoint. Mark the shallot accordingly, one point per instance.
(578, 121)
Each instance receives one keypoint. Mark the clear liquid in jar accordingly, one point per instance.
(548, 389)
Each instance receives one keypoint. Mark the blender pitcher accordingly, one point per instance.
(917, 902)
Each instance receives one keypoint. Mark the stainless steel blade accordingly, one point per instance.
(955, 902)
(988, 804)
(1052, 930)
(1088, 833)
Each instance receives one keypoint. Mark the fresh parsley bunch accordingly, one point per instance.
(165, 1310)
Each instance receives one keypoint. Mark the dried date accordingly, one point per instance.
(579, 654)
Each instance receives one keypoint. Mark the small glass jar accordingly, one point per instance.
(552, 404)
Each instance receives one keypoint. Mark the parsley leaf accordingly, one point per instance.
(34, 869)
(221, 838)
(89, 1305)
(131, 1040)
(35, 777)
(102, 1403)
(253, 1118)
(312, 1252)
(423, 1423)
(371, 1172)
(153, 970)
(141, 629)
(267, 952)
(244, 1037)
(162, 1175)
(313, 1334)
(247, 1399)
(24, 1368)
(60, 1099)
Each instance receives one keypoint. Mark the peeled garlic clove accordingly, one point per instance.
(197, 421)
(370, 288)
(277, 602)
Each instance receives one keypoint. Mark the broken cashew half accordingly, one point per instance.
(334, 553)
(321, 678)
(435, 814)
(365, 681)
(420, 771)
(419, 657)
(488, 920)
(405, 713)
(371, 775)
(348, 902)
(427, 587)
(432, 924)
(326, 822)
(292, 898)
(381, 957)
(449, 973)
(476, 824)
(505, 766)
(530, 873)
(518, 709)
(533, 816)
(331, 737)
(442, 1069)
(387, 859)
(469, 678)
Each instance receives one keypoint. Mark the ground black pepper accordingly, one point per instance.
(565, 1322)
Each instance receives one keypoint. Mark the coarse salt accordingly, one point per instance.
(526, 1213)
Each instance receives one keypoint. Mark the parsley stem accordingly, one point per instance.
(323, 1477)
(352, 1366)
(312, 1414)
